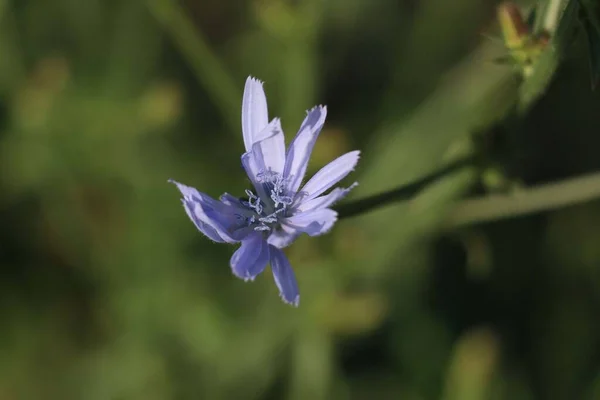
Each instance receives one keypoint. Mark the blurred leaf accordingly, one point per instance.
(471, 97)
(12, 70)
(209, 70)
(580, 252)
(472, 366)
(594, 390)
(532, 17)
(134, 49)
(352, 314)
(593, 38)
(312, 365)
(568, 341)
(126, 369)
(591, 28)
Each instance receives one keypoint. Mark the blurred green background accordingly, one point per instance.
(108, 291)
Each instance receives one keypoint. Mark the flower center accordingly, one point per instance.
(273, 205)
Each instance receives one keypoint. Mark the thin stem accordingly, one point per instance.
(209, 71)
(403, 192)
(532, 200)
(526, 201)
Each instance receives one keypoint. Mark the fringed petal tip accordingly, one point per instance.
(186, 191)
(250, 78)
(180, 186)
(325, 227)
(315, 222)
(321, 107)
(355, 154)
(251, 258)
(255, 113)
(284, 277)
(294, 303)
(300, 149)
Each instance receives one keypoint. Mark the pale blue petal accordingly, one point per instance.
(329, 175)
(255, 116)
(314, 222)
(327, 200)
(282, 236)
(251, 258)
(230, 200)
(240, 210)
(196, 214)
(203, 210)
(272, 149)
(268, 153)
(284, 277)
(263, 259)
(301, 147)
(227, 222)
(188, 192)
(236, 203)
(254, 166)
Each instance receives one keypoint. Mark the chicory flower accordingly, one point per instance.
(278, 210)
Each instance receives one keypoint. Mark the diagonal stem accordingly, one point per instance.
(403, 192)
(532, 200)
(487, 208)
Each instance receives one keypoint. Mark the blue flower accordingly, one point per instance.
(273, 215)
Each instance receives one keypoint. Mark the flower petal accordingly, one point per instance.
(255, 114)
(253, 166)
(194, 211)
(204, 210)
(282, 237)
(236, 203)
(314, 222)
(284, 276)
(228, 222)
(267, 153)
(272, 148)
(188, 192)
(327, 200)
(230, 200)
(329, 175)
(251, 258)
(301, 147)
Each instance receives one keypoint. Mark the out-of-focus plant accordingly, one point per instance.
(524, 46)
(590, 21)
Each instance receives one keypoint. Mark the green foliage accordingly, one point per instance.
(591, 27)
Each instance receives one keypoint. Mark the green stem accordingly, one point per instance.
(520, 202)
(403, 192)
(526, 201)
